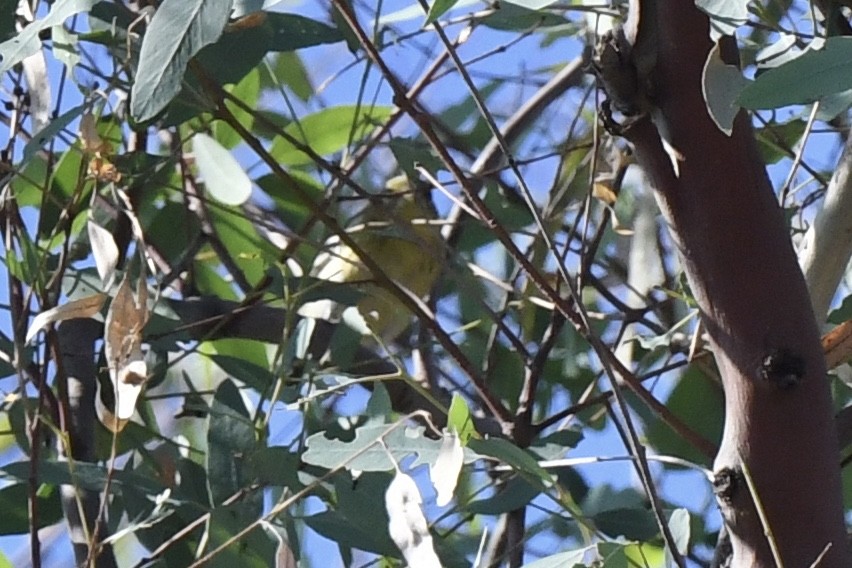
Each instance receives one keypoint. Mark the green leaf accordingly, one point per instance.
(14, 504)
(251, 252)
(775, 141)
(247, 91)
(632, 524)
(276, 466)
(178, 30)
(720, 85)
(28, 42)
(411, 152)
(82, 474)
(345, 524)
(521, 460)
(813, 75)
(679, 525)
(288, 203)
(515, 18)
(223, 176)
(253, 550)
(240, 50)
(438, 9)
(231, 438)
(562, 560)
(7, 18)
(328, 131)
(289, 70)
(459, 419)
(514, 494)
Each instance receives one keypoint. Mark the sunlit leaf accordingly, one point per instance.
(328, 131)
(223, 176)
(459, 419)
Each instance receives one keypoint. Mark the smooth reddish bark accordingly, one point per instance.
(743, 271)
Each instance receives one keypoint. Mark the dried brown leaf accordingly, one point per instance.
(82, 308)
(125, 320)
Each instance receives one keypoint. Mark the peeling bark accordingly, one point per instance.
(779, 448)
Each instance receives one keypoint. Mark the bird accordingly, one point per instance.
(397, 231)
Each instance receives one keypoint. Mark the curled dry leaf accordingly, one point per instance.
(407, 525)
(82, 308)
(125, 319)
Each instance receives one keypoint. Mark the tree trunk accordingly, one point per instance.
(779, 448)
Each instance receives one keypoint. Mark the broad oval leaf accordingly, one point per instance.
(720, 85)
(178, 30)
(224, 177)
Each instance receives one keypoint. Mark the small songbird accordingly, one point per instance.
(396, 230)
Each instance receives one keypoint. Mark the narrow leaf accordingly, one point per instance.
(178, 30)
(82, 308)
(224, 177)
(28, 42)
(230, 440)
(438, 9)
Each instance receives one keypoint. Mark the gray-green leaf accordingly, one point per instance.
(178, 30)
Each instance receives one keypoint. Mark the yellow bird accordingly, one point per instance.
(397, 233)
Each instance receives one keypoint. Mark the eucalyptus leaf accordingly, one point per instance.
(223, 176)
(178, 30)
(815, 74)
